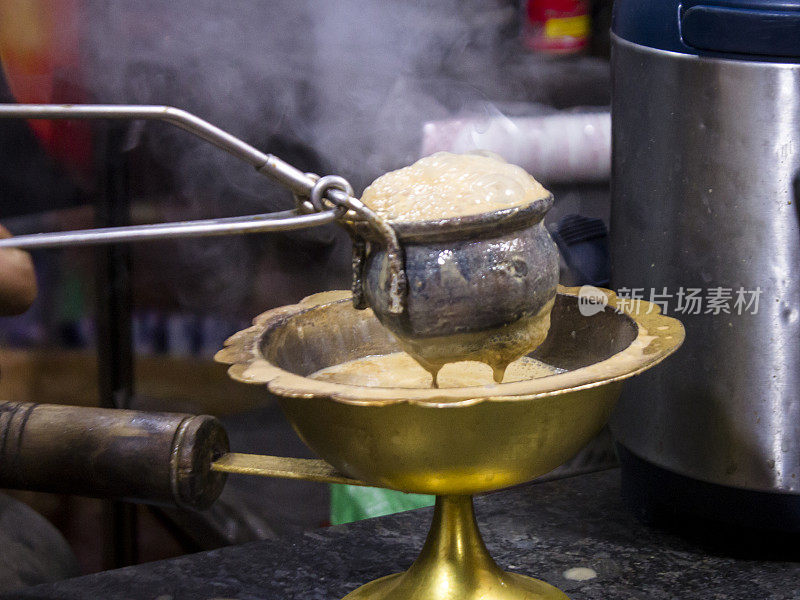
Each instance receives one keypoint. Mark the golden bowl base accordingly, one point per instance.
(510, 587)
(455, 565)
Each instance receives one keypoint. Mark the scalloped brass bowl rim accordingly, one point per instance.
(657, 337)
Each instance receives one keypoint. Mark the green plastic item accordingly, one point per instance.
(352, 503)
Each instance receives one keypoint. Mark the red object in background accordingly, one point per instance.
(557, 26)
(39, 50)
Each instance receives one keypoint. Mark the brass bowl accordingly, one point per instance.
(455, 440)
(450, 442)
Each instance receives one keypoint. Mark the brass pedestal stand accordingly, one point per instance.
(454, 563)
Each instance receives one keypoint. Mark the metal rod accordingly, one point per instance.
(114, 298)
(268, 164)
(280, 221)
(282, 467)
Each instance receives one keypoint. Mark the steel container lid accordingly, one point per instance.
(755, 30)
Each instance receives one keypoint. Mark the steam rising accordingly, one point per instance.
(352, 79)
(338, 87)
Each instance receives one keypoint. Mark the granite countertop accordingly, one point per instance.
(539, 529)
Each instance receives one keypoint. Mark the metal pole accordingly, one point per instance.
(287, 220)
(114, 336)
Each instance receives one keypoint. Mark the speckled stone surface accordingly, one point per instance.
(541, 530)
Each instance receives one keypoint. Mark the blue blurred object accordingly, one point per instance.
(752, 29)
(583, 242)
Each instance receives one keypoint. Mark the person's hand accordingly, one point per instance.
(17, 279)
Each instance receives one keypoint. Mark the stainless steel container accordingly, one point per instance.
(706, 154)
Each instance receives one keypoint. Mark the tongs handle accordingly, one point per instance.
(301, 184)
(287, 220)
(319, 200)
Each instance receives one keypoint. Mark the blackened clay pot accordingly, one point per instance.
(479, 287)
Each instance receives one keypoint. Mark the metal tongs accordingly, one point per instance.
(318, 200)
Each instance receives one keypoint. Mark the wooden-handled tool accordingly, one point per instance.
(160, 458)
(156, 458)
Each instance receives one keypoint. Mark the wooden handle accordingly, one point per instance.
(158, 458)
